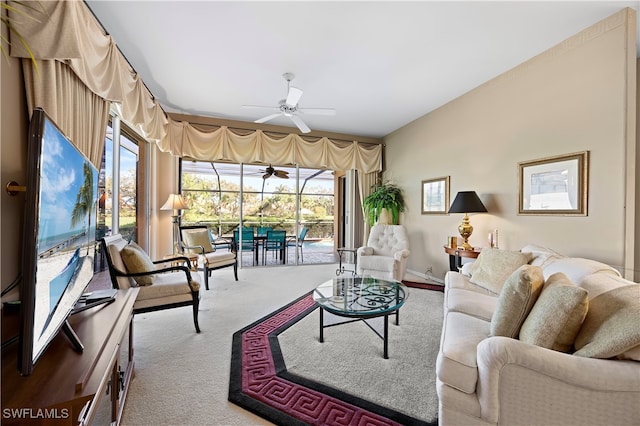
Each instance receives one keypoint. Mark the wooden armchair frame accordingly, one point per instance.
(115, 273)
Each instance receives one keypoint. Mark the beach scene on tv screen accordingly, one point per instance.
(66, 232)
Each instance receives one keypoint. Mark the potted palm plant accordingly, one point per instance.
(385, 196)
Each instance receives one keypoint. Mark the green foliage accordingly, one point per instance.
(20, 9)
(384, 196)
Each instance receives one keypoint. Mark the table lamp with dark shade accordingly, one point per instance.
(176, 203)
(467, 202)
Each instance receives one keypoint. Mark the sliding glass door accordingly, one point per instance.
(224, 196)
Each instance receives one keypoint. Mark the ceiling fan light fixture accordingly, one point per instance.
(288, 107)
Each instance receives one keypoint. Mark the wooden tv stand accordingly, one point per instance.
(71, 388)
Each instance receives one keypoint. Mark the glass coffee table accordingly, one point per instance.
(361, 298)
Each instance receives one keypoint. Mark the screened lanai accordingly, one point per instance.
(296, 200)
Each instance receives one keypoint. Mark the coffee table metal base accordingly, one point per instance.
(384, 336)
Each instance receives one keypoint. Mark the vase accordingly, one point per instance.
(385, 217)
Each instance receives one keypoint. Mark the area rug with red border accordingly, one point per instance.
(260, 382)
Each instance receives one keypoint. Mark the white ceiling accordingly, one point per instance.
(380, 64)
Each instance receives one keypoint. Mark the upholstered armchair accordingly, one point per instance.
(196, 239)
(161, 286)
(385, 255)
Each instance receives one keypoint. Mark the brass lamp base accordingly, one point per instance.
(465, 230)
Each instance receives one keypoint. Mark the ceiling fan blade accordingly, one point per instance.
(293, 96)
(275, 108)
(298, 122)
(282, 174)
(317, 111)
(266, 176)
(267, 118)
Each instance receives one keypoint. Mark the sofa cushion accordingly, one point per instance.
(556, 317)
(197, 238)
(457, 280)
(520, 292)
(456, 365)
(471, 303)
(600, 282)
(494, 266)
(632, 354)
(576, 268)
(136, 260)
(611, 326)
(541, 255)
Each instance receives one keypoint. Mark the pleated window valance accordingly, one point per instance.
(68, 32)
(225, 144)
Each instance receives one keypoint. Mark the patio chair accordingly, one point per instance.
(248, 243)
(276, 241)
(197, 239)
(293, 241)
(262, 230)
(161, 287)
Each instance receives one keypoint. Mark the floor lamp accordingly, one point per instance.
(467, 202)
(176, 203)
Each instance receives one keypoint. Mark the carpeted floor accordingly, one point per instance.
(182, 377)
(280, 371)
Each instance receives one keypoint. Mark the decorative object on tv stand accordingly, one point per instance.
(466, 202)
(385, 196)
(176, 203)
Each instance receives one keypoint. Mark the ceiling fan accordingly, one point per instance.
(289, 107)
(270, 171)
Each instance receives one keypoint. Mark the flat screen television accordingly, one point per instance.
(59, 243)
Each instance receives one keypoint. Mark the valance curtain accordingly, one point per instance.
(80, 114)
(68, 33)
(224, 144)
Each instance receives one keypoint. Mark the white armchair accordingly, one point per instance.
(385, 255)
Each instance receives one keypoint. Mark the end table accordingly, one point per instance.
(457, 253)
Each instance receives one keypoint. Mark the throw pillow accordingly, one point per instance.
(198, 238)
(518, 295)
(136, 260)
(494, 266)
(611, 326)
(556, 317)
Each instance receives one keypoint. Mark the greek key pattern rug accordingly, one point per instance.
(260, 383)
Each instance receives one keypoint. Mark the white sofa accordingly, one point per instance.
(485, 379)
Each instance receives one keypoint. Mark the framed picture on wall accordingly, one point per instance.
(554, 185)
(435, 195)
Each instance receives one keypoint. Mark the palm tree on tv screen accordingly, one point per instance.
(84, 202)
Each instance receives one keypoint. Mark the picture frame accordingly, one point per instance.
(435, 196)
(555, 186)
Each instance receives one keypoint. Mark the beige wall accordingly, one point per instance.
(637, 193)
(13, 155)
(572, 98)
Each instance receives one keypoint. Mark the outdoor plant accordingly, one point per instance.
(21, 9)
(385, 195)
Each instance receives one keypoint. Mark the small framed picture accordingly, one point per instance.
(435, 195)
(554, 186)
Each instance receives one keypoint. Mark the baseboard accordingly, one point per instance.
(427, 277)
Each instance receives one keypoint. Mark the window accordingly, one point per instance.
(222, 195)
(121, 178)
